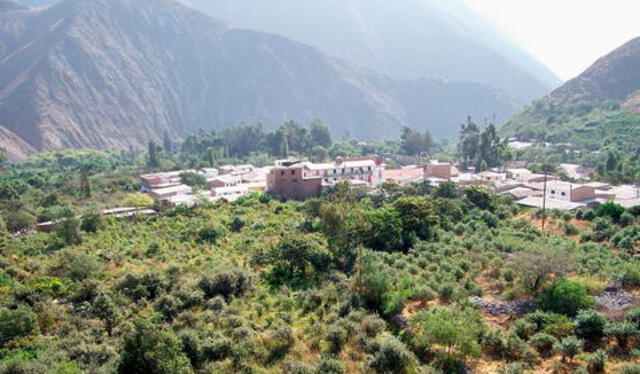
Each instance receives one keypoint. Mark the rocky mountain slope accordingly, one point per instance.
(404, 38)
(115, 73)
(615, 76)
(601, 104)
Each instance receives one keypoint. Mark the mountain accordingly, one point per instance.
(405, 39)
(599, 107)
(615, 76)
(115, 73)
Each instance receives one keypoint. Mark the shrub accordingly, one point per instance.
(514, 368)
(611, 210)
(543, 343)
(626, 219)
(590, 325)
(336, 336)
(447, 328)
(209, 234)
(152, 349)
(17, 323)
(446, 291)
(328, 365)
(524, 329)
(148, 286)
(621, 332)
(92, 222)
(493, 343)
(296, 367)
(569, 347)
(392, 357)
(19, 220)
(138, 200)
(566, 297)
(633, 316)
(237, 224)
(228, 283)
(630, 276)
(597, 362)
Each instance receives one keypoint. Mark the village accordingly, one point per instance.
(569, 189)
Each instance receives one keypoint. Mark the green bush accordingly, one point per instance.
(19, 220)
(17, 323)
(392, 357)
(566, 297)
(227, 283)
(543, 343)
(597, 361)
(590, 325)
(152, 349)
(209, 234)
(611, 210)
(336, 337)
(622, 332)
(329, 365)
(630, 276)
(569, 347)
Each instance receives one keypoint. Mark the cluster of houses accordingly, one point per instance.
(295, 179)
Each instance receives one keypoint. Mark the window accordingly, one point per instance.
(282, 172)
(294, 180)
(553, 192)
(293, 172)
(369, 168)
(563, 193)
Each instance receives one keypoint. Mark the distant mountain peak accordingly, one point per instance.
(406, 39)
(615, 76)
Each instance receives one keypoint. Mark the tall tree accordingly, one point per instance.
(85, 184)
(415, 142)
(153, 155)
(489, 147)
(320, 134)
(469, 143)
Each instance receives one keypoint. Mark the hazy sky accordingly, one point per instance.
(566, 35)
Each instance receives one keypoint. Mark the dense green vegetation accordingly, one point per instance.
(262, 286)
(599, 135)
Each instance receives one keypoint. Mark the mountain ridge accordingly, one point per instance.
(114, 74)
(410, 39)
(599, 107)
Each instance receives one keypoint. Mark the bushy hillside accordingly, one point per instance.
(348, 283)
(595, 110)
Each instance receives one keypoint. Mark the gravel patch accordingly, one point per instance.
(500, 308)
(615, 298)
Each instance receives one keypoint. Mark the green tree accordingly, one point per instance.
(488, 148)
(152, 349)
(153, 155)
(85, 185)
(320, 135)
(566, 297)
(319, 154)
(419, 218)
(68, 229)
(536, 265)
(17, 323)
(469, 143)
(192, 179)
(450, 334)
(414, 142)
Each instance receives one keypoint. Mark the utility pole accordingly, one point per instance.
(544, 201)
